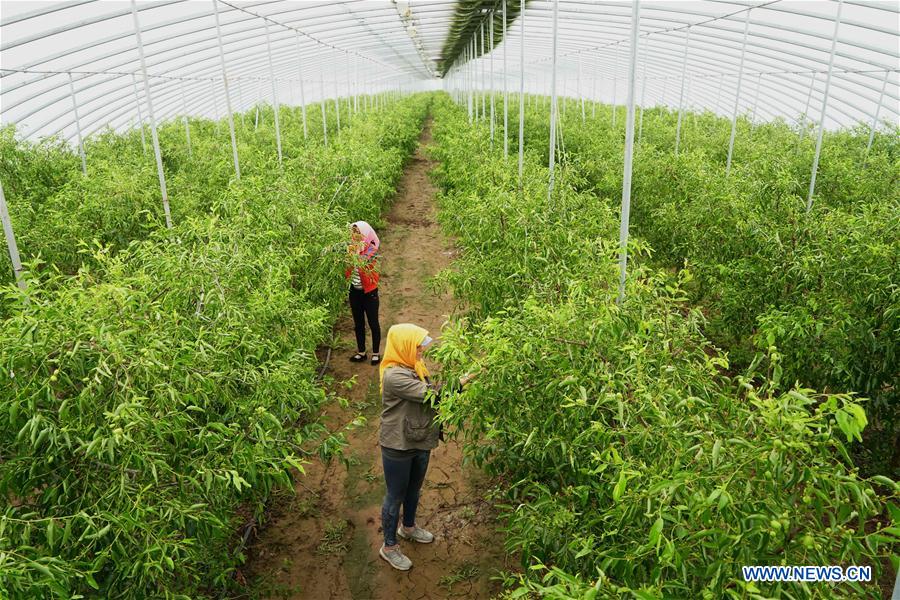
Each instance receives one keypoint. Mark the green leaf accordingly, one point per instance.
(619, 489)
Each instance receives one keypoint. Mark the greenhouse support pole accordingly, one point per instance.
(812, 84)
(184, 118)
(212, 91)
(302, 94)
(240, 89)
(78, 126)
(468, 67)
(737, 95)
(153, 133)
(481, 61)
(553, 103)
(234, 151)
(877, 112)
(505, 89)
(11, 240)
(274, 94)
(258, 101)
(815, 167)
(491, 60)
(719, 92)
(337, 101)
(580, 95)
(521, 89)
(322, 104)
(137, 101)
(684, 60)
(629, 148)
(594, 89)
(615, 108)
(756, 98)
(643, 93)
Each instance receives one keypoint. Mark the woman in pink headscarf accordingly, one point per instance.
(363, 276)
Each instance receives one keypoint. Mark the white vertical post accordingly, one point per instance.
(643, 93)
(812, 84)
(521, 89)
(815, 167)
(756, 97)
(505, 90)
(11, 241)
(302, 94)
(469, 84)
(580, 95)
(553, 103)
(241, 107)
(234, 152)
(483, 86)
(153, 133)
(737, 95)
(614, 105)
(137, 101)
(184, 118)
(274, 93)
(78, 125)
(594, 98)
(337, 101)
(491, 59)
(877, 112)
(629, 148)
(322, 103)
(215, 98)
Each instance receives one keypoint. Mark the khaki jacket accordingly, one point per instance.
(408, 421)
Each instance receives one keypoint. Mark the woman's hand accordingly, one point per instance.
(468, 377)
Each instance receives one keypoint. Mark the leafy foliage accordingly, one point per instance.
(637, 462)
(158, 388)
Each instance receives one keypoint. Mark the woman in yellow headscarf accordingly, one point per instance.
(409, 431)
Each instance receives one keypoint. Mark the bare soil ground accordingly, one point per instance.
(322, 543)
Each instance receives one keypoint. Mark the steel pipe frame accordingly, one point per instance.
(11, 246)
(776, 57)
(717, 63)
(771, 25)
(151, 116)
(44, 91)
(780, 53)
(234, 151)
(629, 151)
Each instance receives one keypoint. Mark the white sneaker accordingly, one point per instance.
(418, 535)
(395, 558)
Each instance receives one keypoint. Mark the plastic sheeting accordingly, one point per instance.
(367, 46)
(788, 45)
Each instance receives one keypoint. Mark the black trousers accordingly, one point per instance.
(365, 306)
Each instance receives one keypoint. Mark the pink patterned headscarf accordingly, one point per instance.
(370, 238)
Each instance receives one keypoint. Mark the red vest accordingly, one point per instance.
(368, 276)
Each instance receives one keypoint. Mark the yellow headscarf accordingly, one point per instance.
(400, 349)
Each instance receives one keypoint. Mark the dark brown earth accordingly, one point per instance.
(322, 543)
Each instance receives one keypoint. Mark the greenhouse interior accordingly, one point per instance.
(634, 331)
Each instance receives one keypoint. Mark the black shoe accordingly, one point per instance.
(358, 357)
(376, 358)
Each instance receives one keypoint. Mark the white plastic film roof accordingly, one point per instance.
(324, 49)
(788, 47)
(333, 48)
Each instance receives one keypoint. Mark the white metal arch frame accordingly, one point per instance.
(590, 31)
(374, 33)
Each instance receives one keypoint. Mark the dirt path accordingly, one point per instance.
(323, 542)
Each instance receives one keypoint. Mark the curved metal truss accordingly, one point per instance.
(781, 62)
(317, 49)
(84, 54)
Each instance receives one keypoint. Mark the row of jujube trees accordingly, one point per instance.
(636, 459)
(821, 287)
(162, 378)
